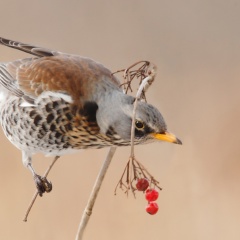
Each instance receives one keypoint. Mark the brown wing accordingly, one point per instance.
(73, 75)
(54, 71)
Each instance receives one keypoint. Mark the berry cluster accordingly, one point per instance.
(151, 195)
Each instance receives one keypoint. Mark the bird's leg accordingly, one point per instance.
(42, 184)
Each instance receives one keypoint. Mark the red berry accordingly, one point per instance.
(151, 195)
(152, 208)
(142, 184)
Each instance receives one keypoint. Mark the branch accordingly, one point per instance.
(36, 193)
(144, 85)
(88, 210)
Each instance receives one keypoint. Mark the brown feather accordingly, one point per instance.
(70, 74)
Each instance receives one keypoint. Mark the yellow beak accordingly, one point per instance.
(168, 137)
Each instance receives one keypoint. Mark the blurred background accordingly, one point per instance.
(196, 46)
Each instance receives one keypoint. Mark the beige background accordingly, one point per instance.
(195, 45)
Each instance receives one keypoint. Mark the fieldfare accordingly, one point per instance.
(56, 103)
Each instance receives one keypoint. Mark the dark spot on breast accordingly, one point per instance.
(57, 141)
(40, 136)
(52, 127)
(55, 104)
(65, 109)
(66, 145)
(32, 113)
(68, 127)
(93, 139)
(62, 128)
(59, 119)
(37, 119)
(50, 117)
(59, 111)
(15, 119)
(58, 135)
(69, 116)
(48, 107)
(42, 132)
(8, 132)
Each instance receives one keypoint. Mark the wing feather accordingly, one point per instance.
(53, 71)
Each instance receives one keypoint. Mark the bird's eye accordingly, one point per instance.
(139, 124)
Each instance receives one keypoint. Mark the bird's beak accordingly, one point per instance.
(168, 137)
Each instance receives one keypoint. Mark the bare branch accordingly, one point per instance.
(88, 210)
(36, 193)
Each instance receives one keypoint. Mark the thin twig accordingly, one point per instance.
(143, 85)
(88, 210)
(36, 193)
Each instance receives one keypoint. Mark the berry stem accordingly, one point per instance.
(133, 171)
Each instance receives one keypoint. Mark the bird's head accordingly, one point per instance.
(116, 120)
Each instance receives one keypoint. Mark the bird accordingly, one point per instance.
(56, 103)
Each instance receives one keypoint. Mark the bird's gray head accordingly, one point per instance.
(116, 120)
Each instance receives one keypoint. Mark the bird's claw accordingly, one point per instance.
(42, 184)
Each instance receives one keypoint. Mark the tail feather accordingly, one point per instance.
(28, 48)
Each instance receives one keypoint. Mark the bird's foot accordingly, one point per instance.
(42, 184)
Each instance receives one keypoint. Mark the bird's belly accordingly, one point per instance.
(45, 128)
(27, 132)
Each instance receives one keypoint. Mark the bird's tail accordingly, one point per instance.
(28, 48)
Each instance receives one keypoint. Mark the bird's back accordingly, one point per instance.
(76, 76)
